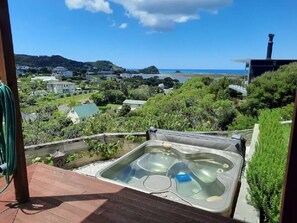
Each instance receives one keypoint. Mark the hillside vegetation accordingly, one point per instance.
(56, 60)
(200, 104)
(149, 70)
(52, 61)
(104, 65)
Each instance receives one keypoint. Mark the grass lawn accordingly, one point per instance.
(75, 99)
(107, 107)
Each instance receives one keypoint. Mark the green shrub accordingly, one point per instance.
(265, 174)
(106, 150)
(242, 122)
(271, 90)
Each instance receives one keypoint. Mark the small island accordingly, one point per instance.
(150, 70)
(177, 72)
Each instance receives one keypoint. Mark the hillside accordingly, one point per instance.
(104, 65)
(56, 60)
(52, 61)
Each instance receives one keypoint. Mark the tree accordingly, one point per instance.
(114, 96)
(168, 82)
(124, 110)
(99, 99)
(271, 90)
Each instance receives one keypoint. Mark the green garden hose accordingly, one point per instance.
(8, 158)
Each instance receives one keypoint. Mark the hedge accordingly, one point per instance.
(265, 174)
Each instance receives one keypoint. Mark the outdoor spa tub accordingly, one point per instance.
(193, 175)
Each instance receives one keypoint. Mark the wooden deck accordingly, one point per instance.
(59, 195)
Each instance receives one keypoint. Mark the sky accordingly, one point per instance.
(177, 34)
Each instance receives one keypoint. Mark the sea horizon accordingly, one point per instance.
(184, 74)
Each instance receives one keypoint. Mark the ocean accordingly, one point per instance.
(186, 74)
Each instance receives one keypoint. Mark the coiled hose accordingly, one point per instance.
(8, 158)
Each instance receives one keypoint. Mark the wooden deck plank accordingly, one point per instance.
(59, 195)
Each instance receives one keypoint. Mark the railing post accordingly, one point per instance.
(8, 76)
(288, 211)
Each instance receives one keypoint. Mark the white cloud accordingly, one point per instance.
(90, 5)
(161, 15)
(123, 26)
(158, 15)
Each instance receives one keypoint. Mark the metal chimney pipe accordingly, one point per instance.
(269, 47)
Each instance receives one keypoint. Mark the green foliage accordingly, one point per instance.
(143, 92)
(286, 112)
(221, 90)
(99, 99)
(72, 157)
(149, 70)
(49, 125)
(36, 160)
(265, 174)
(56, 60)
(242, 122)
(47, 160)
(224, 112)
(130, 138)
(192, 107)
(101, 123)
(44, 61)
(113, 84)
(104, 65)
(124, 110)
(168, 82)
(271, 90)
(106, 150)
(114, 96)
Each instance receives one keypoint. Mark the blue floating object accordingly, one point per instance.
(183, 177)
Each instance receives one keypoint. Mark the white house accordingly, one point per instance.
(61, 71)
(82, 113)
(134, 104)
(20, 70)
(125, 75)
(44, 78)
(61, 87)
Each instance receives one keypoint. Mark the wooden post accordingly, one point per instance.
(8, 76)
(288, 211)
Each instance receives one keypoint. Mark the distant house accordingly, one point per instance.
(61, 72)
(111, 76)
(94, 78)
(41, 93)
(21, 67)
(29, 117)
(125, 75)
(44, 78)
(64, 109)
(82, 113)
(110, 72)
(60, 87)
(167, 91)
(162, 86)
(20, 70)
(134, 104)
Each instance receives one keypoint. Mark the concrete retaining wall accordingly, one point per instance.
(71, 146)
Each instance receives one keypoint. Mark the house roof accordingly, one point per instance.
(44, 78)
(134, 102)
(60, 82)
(85, 111)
